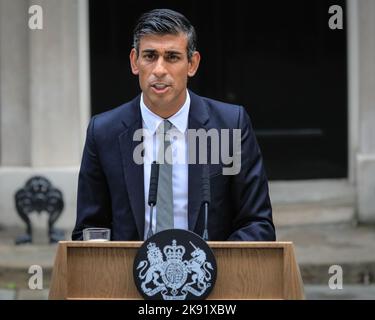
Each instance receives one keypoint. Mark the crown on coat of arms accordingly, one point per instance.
(174, 252)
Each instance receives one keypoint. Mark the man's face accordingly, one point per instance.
(163, 69)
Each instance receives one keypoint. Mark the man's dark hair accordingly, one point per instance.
(162, 22)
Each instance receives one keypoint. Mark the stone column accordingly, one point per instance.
(44, 100)
(15, 137)
(56, 85)
(361, 53)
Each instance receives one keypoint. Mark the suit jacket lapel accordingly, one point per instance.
(133, 172)
(198, 118)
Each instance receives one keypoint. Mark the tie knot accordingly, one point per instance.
(164, 127)
(167, 125)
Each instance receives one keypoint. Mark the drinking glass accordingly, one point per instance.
(96, 234)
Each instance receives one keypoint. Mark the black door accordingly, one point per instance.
(279, 59)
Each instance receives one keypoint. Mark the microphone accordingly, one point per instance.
(206, 197)
(152, 193)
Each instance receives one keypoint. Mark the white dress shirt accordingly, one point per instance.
(151, 122)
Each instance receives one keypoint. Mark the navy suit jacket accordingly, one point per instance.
(111, 184)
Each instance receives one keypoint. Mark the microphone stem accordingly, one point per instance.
(205, 232)
(150, 233)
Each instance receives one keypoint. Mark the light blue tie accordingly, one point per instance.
(164, 203)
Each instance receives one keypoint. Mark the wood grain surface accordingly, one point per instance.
(246, 270)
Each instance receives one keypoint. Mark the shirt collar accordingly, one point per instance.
(179, 119)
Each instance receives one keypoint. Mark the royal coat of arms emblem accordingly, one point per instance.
(167, 273)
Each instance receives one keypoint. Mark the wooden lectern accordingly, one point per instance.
(245, 270)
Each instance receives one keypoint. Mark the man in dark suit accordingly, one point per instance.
(113, 186)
